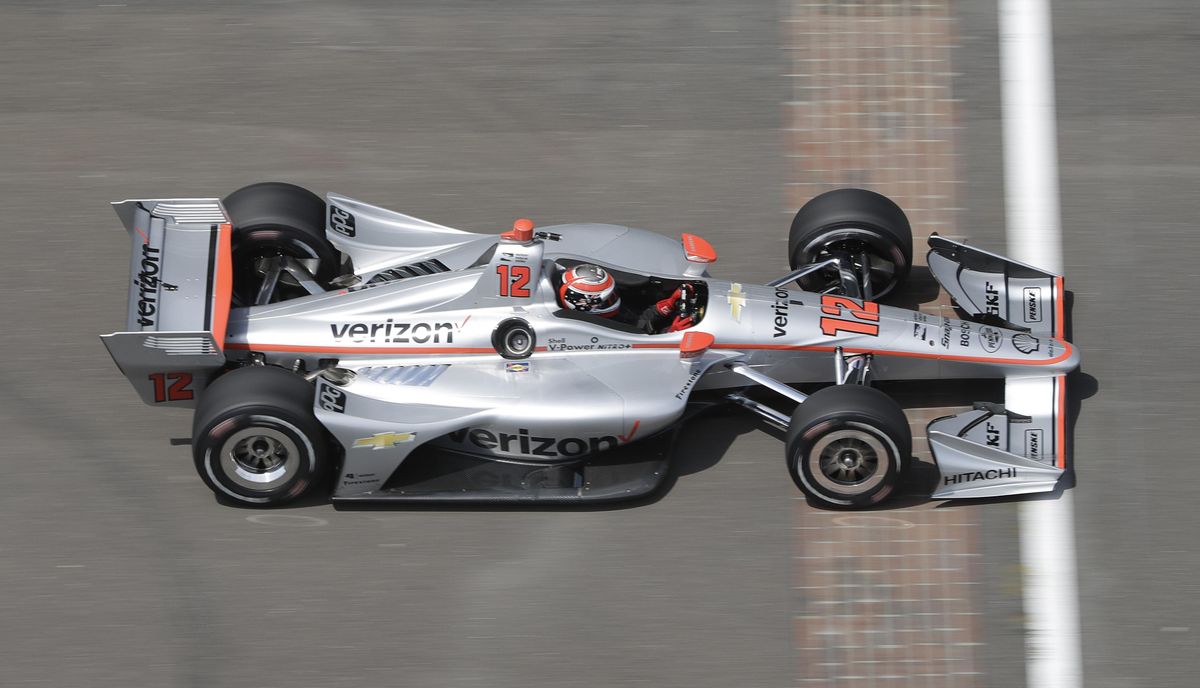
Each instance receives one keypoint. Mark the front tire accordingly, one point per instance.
(255, 440)
(846, 446)
(854, 223)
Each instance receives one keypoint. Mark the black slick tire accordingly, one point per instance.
(855, 219)
(255, 440)
(846, 446)
(277, 219)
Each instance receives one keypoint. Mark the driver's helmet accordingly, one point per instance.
(589, 288)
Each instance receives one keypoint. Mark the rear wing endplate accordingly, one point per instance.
(180, 286)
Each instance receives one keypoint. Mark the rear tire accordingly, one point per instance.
(853, 221)
(255, 440)
(277, 219)
(846, 445)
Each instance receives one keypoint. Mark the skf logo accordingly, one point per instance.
(737, 301)
(991, 298)
(993, 434)
(384, 440)
(341, 221)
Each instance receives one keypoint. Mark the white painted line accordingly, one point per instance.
(1052, 644)
(1030, 145)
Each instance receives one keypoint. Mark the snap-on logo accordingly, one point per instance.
(341, 221)
(1032, 296)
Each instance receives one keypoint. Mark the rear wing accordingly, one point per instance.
(180, 284)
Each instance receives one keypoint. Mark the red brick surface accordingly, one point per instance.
(885, 598)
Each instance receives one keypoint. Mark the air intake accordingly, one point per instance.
(415, 376)
(425, 267)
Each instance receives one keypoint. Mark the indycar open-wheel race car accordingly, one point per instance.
(331, 341)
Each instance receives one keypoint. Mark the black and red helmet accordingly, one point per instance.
(589, 288)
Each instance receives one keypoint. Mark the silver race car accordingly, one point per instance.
(332, 341)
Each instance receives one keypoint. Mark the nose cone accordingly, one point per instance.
(1071, 361)
(1040, 356)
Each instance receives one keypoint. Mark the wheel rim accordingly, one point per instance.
(849, 461)
(259, 459)
(885, 261)
(265, 243)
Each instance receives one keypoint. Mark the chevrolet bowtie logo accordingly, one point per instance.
(737, 301)
(384, 440)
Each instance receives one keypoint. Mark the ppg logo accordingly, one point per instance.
(341, 221)
(332, 399)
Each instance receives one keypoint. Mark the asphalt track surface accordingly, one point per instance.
(118, 568)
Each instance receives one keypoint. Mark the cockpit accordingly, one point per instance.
(648, 304)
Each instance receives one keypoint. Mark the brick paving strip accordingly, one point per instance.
(885, 598)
